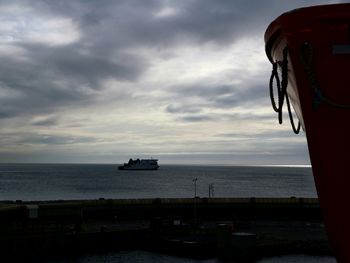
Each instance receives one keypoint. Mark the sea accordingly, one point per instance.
(37, 182)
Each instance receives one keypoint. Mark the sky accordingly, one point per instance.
(183, 81)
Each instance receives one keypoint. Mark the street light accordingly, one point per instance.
(195, 201)
(211, 190)
(195, 186)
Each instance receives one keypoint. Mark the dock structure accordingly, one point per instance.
(218, 227)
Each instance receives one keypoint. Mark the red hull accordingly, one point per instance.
(318, 43)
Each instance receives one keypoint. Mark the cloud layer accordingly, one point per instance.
(92, 81)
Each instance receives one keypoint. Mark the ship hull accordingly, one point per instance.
(137, 169)
(140, 165)
(317, 39)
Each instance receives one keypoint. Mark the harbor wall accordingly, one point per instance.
(196, 227)
(211, 208)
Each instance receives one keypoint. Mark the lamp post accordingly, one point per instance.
(195, 186)
(211, 190)
(195, 201)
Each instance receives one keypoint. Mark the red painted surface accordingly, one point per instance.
(327, 30)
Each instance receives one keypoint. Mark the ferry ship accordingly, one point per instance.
(309, 49)
(143, 164)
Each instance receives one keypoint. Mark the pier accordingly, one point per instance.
(191, 227)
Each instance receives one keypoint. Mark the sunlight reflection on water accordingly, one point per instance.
(148, 257)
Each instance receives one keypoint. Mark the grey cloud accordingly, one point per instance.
(90, 67)
(134, 23)
(180, 108)
(50, 78)
(6, 113)
(273, 134)
(196, 98)
(53, 139)
(252, 116)
(205, 91)
(242, 98)
(110, 25)
(53, 77)
(58, 77)
(223, 117)
(220, 22)
(45, 121)
(223, 96)
(196, 118)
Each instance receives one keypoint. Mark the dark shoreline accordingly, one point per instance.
(191, 227)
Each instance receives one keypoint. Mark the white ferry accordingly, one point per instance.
(143, 164)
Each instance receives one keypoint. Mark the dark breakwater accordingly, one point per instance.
(191, 227)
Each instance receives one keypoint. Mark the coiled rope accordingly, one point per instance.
(306, 56)
(281, 87)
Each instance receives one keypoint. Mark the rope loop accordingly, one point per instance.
(281, 86)
(274, 76)
(296, 130)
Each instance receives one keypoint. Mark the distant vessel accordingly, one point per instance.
(143, 164)
(310, 47)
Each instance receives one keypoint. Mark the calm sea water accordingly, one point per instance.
(92, 181)
(146, 257)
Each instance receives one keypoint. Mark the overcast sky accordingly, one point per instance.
(184, 81)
